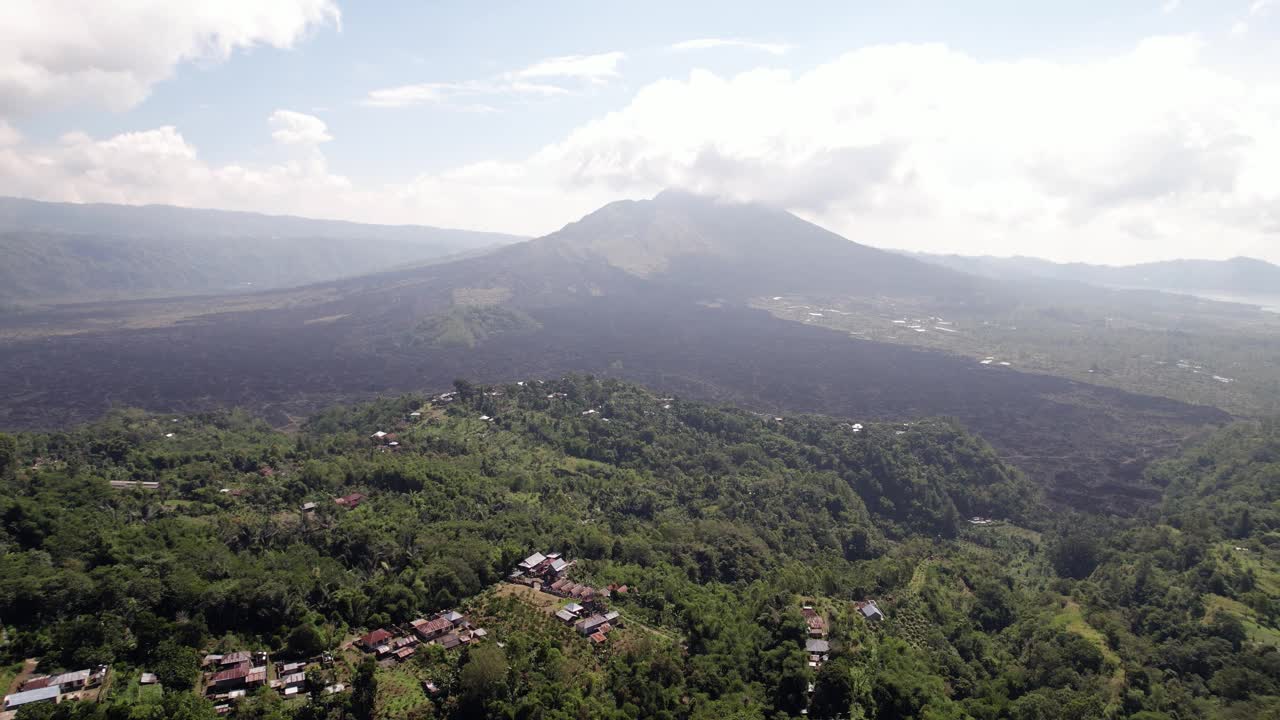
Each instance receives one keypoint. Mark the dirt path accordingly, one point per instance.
(28, 668)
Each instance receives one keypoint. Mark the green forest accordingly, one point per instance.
(722, 523)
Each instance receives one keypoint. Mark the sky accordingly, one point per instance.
(1100, 131)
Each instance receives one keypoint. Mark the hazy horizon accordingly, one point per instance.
(1126, 134)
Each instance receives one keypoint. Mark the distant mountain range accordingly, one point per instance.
(63, 252)
(657, 291)
(1238, 278)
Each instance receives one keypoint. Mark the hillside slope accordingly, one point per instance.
(582, 300)
(1240, 276)
(720, 534)
(61, 252)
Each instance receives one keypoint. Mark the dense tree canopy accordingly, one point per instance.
(722, 522)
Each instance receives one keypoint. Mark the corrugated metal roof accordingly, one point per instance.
(31, 696)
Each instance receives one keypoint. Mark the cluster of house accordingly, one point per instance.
(232, 676)
(816, 645)
(588, 613)
(55, 688)
(540, 570)
(448, 630)
(385, 440)
(595, 625)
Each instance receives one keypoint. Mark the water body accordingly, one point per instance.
(1270, 303)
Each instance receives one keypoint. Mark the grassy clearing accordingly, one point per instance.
(1071, 619)
(919, 577)
(135, 693)
(400, 692)
(1256, 632)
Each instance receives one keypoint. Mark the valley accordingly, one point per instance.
(575, 301)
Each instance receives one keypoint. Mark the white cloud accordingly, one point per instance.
(458, 95)
(1143, 154)
(110, 54)
(589, 68)
(715, 43)
(8, 134)
(1170, 6)
(572, 72)
(1260, 7)
(295, 128)
(1139, 155)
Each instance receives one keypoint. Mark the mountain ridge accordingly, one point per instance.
(65, 252)
(1242, 275)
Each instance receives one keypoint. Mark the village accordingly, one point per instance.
(68, 686)
(582, 607)
(229, 677)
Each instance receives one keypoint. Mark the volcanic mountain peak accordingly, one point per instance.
(736, 248)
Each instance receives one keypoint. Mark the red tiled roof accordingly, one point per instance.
(375, 638)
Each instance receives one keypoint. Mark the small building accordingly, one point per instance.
(231, 677)
(590, 625)
(48, 693)
(148, 679)
(290, 681)
(429, 629)
(449, 641)
(455, 618)
(533, 562)
(308, 507)
(375, 639)
(129, 484)
(566, 616)
(814, 646)
(351, 501)
(378, 436)
(871, 611)
(405, 653)
(234, 658)
(35, 683)
(257, 676)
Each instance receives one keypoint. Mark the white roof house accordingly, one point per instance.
(44, 694)
(533, 560)
(379, 435)
(75, 679)
(871, 612)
